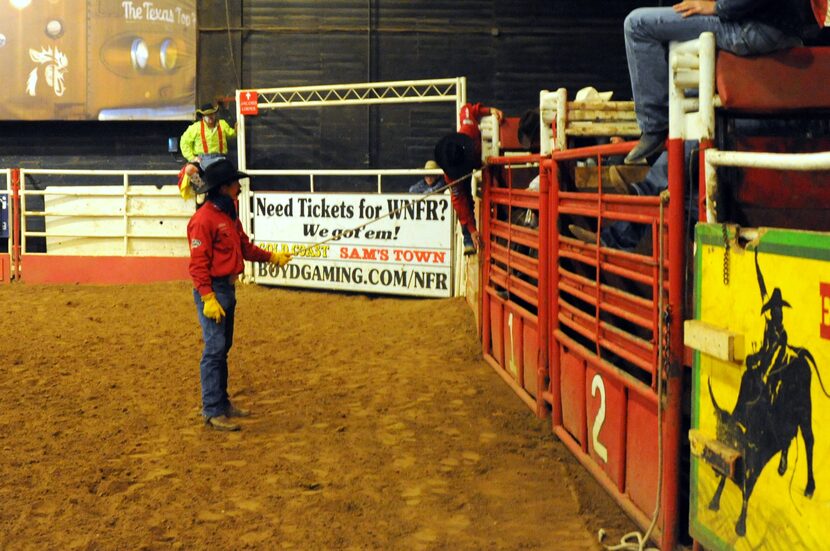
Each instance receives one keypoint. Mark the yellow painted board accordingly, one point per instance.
(764, 406)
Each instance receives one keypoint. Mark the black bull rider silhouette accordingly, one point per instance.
(773, 404)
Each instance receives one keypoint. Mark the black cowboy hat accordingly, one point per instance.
(456, 155)
(219, 173)
(775, 301)
(207, 109)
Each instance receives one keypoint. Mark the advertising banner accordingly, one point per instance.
(98, 59)
(406, 253)
(771, 406)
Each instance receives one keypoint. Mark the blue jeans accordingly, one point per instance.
(648, 32)
(626, 235)
(465, 234)
(218, 339)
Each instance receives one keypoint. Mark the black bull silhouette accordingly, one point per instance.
(770, 409)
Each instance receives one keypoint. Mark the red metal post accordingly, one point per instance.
(16, 220)
(674, 375)
(543, 319)
(484, 263)
(550, 173)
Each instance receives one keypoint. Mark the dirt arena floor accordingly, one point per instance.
(376, 425)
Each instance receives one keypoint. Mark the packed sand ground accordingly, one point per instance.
(376, 426)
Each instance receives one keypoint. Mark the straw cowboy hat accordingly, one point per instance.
(456, 155)
(217, 174)
(589, 93)
(207, 109)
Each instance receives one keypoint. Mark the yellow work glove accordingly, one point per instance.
(281, 258)
(212, 309)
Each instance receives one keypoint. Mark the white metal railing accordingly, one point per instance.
(692, 98)
(692, 103)
(490, 137)
(327, 95)
(365, 93)
(125, 219)
(452, 90)
(581, 118)
(377, 173)
(772, 161)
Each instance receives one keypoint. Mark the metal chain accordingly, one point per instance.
(725, 254)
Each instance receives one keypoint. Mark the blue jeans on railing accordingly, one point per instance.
(218, 339)
(648, 32)
(467, 238)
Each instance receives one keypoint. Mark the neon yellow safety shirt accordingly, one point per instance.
(192, 143)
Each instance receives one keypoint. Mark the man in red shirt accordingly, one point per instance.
(218, 246)
(458, 154)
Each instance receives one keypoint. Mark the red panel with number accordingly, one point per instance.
(606, 407)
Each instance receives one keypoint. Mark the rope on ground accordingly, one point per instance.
(390, 213)
(637, 541)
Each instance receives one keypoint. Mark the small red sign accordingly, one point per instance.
(824, 289)
(248, 103)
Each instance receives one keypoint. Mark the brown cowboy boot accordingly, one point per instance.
(222, 422)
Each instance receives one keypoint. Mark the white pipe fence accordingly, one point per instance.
(744, 159)
(90, 218)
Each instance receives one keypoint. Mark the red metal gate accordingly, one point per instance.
(514, 276)
(615, 341)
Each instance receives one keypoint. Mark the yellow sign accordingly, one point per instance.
(771, 408)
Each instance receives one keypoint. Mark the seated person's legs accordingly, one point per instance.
(648, 32)
(625, 235)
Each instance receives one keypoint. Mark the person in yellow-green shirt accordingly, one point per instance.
(207, 138)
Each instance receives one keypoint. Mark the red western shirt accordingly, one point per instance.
(217, 247)
(462, 199)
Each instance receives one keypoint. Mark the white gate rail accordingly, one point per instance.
(94, 219)
(378, 174)
(746, 159)
(452, 90)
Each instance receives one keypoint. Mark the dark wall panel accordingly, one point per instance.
(88, 144)
(507, 50)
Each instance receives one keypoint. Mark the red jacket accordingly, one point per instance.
(217, 247)
(462, 200)
(468, 119)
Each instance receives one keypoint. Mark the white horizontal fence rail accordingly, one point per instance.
(88, 218)
(744, 159)
(692, 94)
(404, 91)
(378, 174)
(327, 95)
(450, 90)
(592, 118)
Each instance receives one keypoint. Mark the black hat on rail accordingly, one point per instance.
(219, 173)
(456, 155)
